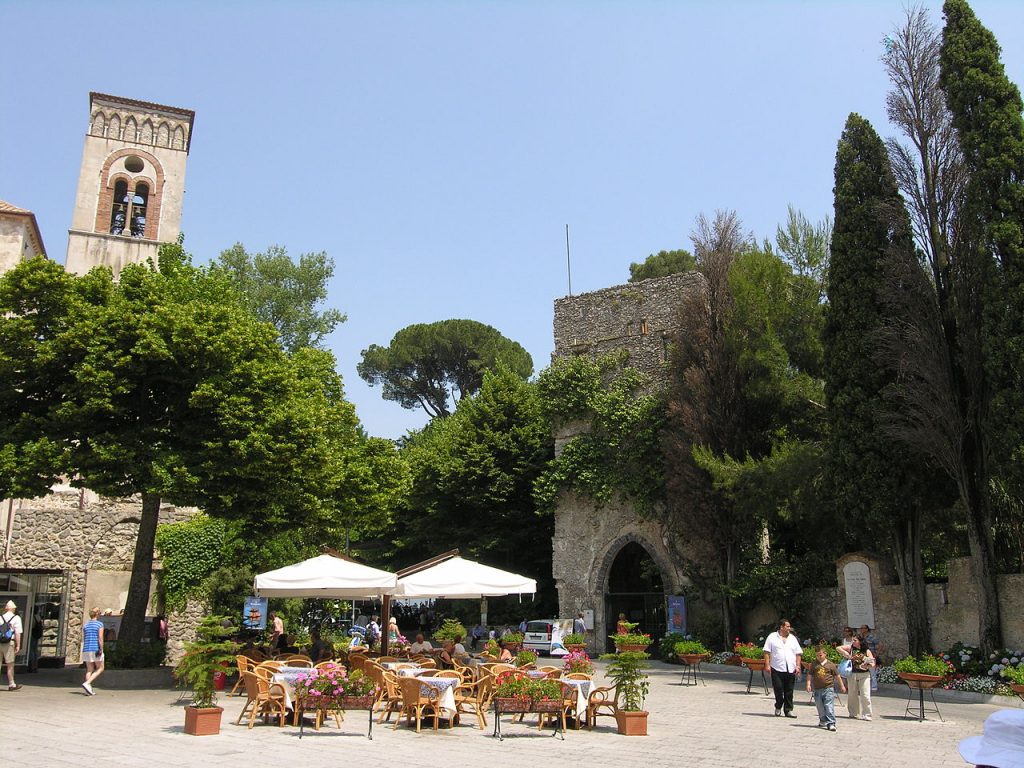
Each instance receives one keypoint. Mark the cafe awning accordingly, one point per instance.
(326, 576)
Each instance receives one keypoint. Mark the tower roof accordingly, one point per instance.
(6, 209)
(148, 106)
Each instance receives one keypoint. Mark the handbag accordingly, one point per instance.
(845, 668)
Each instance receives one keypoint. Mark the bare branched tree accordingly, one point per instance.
(929, 169)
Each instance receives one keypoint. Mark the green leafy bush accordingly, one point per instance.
(686, 647)
(525, 657)
(450, 629)
(748, 651)
(924, 665)
(810, 654)
(667, 645)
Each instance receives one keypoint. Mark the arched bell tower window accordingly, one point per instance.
(119, 210)
(140, 201)
(128, 209)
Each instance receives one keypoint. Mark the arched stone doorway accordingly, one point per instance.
(635, 587)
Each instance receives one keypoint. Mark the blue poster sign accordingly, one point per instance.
(677, 614)
(254, 613)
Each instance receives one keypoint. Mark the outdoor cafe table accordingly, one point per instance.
(287, 676)
(582, 694)
(446, 685)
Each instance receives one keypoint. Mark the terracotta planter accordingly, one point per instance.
(692, 658)
(512, 704)
(576, 647)
(916, 680)
(638, 647)
(757, 665)
(1018, 689)
(631, 723)
(203, 722)
(358, 702)
(549, 705)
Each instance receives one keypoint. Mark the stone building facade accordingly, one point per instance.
(66, 553)
(20, 238)
(640, 319)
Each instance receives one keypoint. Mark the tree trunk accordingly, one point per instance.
(133, 621)
(906, 549)
(979, 536)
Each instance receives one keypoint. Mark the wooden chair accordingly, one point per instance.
(425, 661)
(448, 673)
(382, 659)
(274, 666)
(430, 672)
(263, 699)
(298, 660)
(328, 665)
(245, 664)
(475, 697)
(549, 669)
(497, 669)
(415, 702)
(357, 660)
(602, 701)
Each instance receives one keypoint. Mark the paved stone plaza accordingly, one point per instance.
(52, 723)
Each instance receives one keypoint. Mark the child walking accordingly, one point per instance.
(823, 676)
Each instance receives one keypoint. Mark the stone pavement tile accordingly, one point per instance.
(718, 726)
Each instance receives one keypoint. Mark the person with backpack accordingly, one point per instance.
(11, 631)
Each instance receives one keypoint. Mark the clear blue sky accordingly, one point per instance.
(437, 150)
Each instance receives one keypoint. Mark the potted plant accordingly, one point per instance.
(751, 656)
(207, 655)
(491, 648)
(513, 641)
(691, 651)
(525, 658)
(578, 662)
(334, 688)
(574, 641)
(512, 692)
(626, 670)
(922, 672)
(631, 640)
(1014, 677)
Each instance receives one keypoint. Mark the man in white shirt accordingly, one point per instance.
(782, 654)
(421, 645)
(10, 620)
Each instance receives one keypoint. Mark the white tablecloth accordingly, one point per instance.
(287, 676)
(447, 686)
(583, 688)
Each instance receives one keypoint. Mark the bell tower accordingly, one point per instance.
(132, 183)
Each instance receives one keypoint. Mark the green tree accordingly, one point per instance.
(744, 411)
(472, 481)
(172, 390)
(284, 293)
(805, 246)
(430, 365)
(661, 264)
(986, 112)
(877, 480)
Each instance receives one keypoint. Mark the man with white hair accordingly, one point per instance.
(11, 629)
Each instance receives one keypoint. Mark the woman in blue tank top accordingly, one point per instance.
(92, 650)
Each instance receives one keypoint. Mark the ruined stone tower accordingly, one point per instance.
(131, 185)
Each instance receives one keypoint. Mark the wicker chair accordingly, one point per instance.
(263, 699)
(415, 702)
(475, 698)
(602, 701)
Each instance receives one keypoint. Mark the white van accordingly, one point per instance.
(544, 636)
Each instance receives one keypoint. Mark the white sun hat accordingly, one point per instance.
(1001, 744)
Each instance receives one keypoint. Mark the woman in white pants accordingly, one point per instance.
(859, 700)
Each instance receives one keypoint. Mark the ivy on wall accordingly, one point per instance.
(191, 551)
(619, 453)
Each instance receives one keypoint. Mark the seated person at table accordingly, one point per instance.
(319, 649)
(460, 649)
(444, 658)
(506, 655)
(421, 645)
(357, 640)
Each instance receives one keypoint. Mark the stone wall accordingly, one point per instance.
(77, 532)
(640, 318)
(952, 607)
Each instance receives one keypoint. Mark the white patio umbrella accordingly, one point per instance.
(460, 578)
(326, 576)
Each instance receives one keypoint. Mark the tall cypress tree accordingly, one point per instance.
(986, 109)
(875, 480)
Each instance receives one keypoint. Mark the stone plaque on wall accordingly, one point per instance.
(859, 607)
